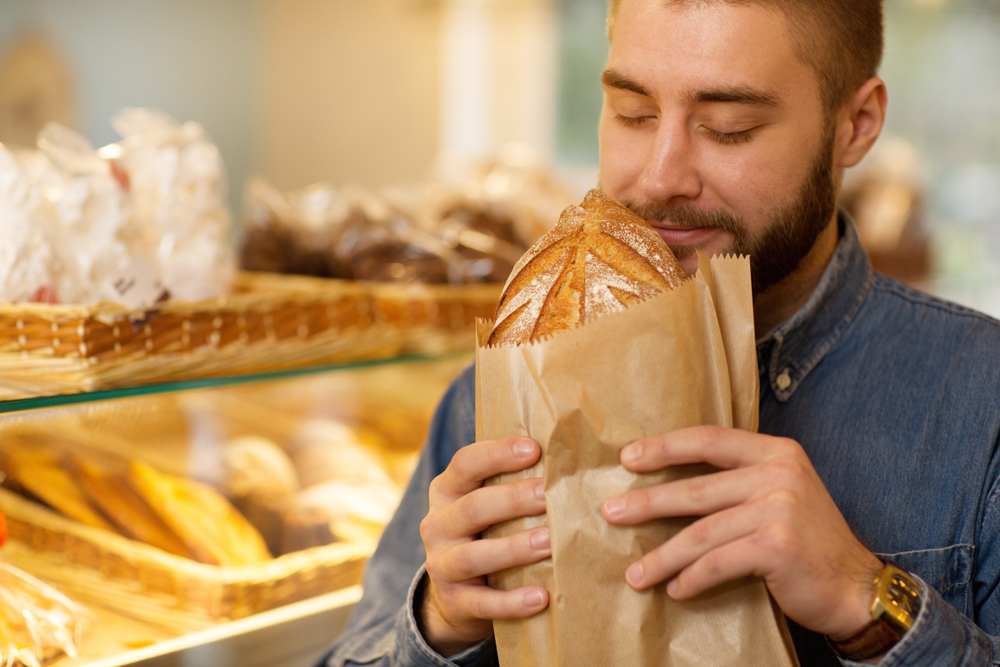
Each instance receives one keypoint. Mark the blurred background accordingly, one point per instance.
(385, 92)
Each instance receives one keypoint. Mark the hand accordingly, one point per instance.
(765, 513)
(458, 606)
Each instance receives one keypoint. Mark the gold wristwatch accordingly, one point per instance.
(894, 609)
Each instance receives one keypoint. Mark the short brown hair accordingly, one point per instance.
(849, 48)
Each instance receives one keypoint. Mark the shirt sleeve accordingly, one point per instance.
(383, 629)
(940, 637)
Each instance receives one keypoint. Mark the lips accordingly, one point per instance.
(683, 236)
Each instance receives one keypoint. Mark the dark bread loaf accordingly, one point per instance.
(599, 259)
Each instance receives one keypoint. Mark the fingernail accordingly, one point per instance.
(632, 452)
(533, 599)
(540, 540)
(673, 587)
(524, 448)
(540, 489)
(634, 574)
(614, 506)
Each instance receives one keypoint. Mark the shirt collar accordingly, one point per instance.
(790, 351)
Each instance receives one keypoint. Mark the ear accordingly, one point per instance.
(860, 122)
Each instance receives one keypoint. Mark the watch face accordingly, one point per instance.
(899, 594)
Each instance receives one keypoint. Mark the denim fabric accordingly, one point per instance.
(894, 395)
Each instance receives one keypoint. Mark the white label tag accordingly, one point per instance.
(139, 286)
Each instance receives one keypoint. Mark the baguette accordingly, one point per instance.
(109, 491)
(208, 525)
(599, 259)
(39, 472)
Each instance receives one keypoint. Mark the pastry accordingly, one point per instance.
(599, 259)
(207, 523)
(110, 491)
(39, 473)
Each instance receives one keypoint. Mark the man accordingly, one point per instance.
(728, 124)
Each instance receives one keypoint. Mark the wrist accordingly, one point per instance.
(895, 604)
(857, 611)
(440, 635)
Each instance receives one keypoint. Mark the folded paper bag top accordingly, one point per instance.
(674, 359)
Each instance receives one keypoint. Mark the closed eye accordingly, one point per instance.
(629, 121)
(729, 137)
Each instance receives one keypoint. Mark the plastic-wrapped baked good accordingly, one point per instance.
(177, 186)
(25, 256)
(37, 622)
(298, 232)
(67, 220)
(430, 233)
(78, 223)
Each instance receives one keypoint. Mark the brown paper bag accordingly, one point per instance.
(684, 358)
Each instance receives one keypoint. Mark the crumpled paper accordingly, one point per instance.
(686, 357)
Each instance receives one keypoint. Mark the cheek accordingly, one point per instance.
(758, 179)
(622, 156)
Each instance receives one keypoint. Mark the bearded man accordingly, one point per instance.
(728, 125)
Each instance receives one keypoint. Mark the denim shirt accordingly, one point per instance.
(895, 397)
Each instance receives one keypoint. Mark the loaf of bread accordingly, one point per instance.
(209, 526)
(108, 490)
(599, 259)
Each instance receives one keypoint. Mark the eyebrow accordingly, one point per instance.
(614, 79)
(736, 95)
(729, 94)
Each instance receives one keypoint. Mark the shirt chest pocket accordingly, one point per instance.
(947, 570)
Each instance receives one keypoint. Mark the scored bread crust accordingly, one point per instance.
(599, 259)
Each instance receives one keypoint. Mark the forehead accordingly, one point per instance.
(683, 47)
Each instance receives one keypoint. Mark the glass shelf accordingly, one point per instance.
(55, 400)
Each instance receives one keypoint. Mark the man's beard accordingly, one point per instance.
(791, 232)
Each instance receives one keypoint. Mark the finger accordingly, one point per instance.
(733, 560)
(692, 543)
(715, 445)
(704, 494)
(488, 603)
(484, 507)
(481, 557)
(475, 463)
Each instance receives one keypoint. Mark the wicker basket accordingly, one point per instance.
(141, 581)
(268, 323)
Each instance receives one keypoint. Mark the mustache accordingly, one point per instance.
(687, 216)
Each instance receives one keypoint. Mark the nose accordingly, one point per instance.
(670, 175)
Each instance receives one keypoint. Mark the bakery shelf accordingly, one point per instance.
(56, 400)
(172, 426)
(290, 636)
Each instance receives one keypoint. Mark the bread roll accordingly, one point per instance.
(254, 465)
(599, 259)
(325, 450)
